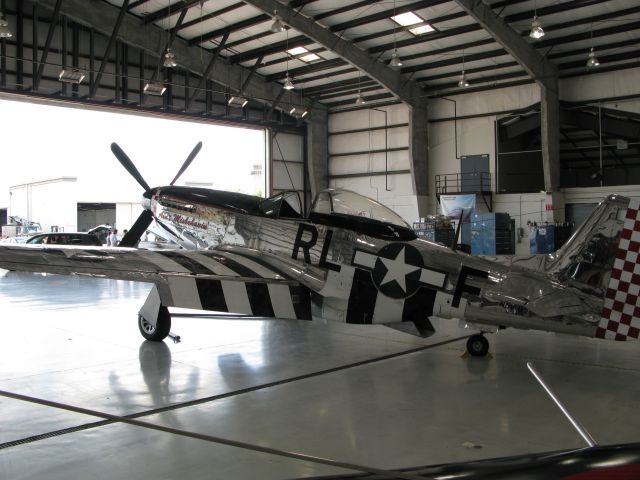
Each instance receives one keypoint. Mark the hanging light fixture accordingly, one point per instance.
(288, 83)
(298, 112)
(73, 75)
(592, 60)
(5, 32)
(537, 32)
(396, 61)
(169, 59)
(463, 83)
(360, 99)
(154, 88)
(277, 26)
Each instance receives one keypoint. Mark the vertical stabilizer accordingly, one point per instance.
(620, 318)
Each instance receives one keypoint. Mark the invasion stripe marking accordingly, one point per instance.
(211, 295)
(184, 292)
(233, 265)
(259, 299)
(362, 299)
(387, 309)
(249, 263)
(281, 301)
(189, 263)
(236, 298)
(166, 264)
(212, 264)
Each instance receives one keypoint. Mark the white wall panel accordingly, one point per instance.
(400, 195)
(374, 162)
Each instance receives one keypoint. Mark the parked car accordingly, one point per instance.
(66, 238)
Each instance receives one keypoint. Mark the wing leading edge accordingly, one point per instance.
(204, 280)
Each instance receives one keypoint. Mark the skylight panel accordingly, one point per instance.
(422, 29)
(406, 19)
(409, 18)
(299, 53)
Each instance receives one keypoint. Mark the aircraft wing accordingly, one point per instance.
(237, 280)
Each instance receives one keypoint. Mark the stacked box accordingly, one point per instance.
(492, 234)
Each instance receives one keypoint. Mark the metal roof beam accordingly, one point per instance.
(405, 89)
(102, 16)
(169, 10)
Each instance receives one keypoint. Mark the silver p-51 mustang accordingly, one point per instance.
(353, 260)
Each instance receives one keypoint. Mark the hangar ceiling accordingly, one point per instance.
(231, 45)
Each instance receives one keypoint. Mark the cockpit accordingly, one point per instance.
(341, 209)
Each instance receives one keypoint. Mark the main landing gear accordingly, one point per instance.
(477, 345)
(162, 328)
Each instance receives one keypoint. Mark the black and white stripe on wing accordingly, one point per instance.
(270, 298)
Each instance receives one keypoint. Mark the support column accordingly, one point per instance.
(550, 132)
(419, 153)
(318, 151)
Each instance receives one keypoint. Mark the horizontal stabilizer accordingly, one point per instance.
(419, 328)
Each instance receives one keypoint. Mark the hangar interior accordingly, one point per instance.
(390, 99)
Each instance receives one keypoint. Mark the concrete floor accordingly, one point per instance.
(341, 392)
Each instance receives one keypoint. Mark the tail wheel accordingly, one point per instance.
(477, 345)
(162, 328)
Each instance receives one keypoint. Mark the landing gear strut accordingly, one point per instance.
(477, 345)
(162, 328)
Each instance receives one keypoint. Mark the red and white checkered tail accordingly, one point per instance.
(620, 317)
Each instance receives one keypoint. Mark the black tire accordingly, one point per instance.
(477, 345)
(162, 328)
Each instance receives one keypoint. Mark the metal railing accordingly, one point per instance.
(463, 182)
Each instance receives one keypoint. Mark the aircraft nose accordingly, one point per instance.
(147, 198)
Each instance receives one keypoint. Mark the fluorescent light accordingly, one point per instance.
(406, 19)
(154, 88)
(238, 101)
(71, 76)
(298, 112)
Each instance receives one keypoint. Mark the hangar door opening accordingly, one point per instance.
(76, 143)
(91, 215)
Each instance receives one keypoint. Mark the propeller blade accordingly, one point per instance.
(134, 235)
(129, 166)
(187, 162)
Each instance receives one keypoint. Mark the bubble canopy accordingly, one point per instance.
(333, 205)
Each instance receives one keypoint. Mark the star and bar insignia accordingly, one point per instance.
(398, 270)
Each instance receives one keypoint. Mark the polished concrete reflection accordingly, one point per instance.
(336, 391)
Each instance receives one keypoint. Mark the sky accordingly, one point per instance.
(42, 142)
